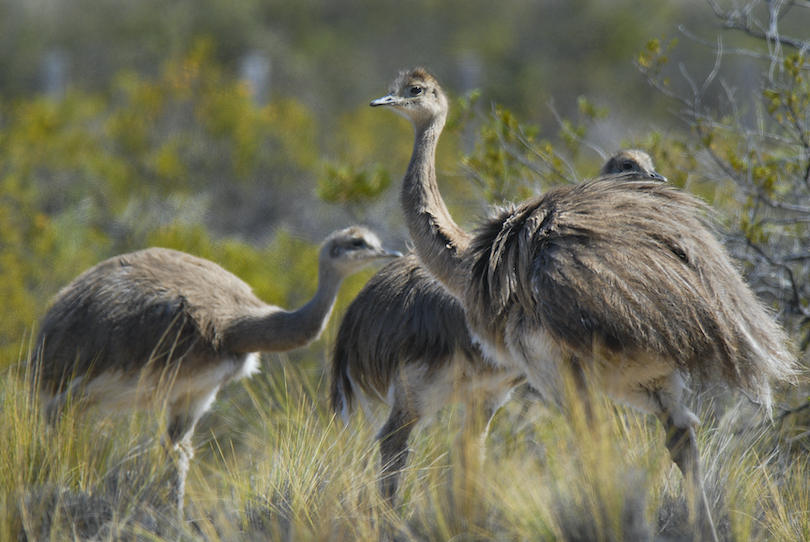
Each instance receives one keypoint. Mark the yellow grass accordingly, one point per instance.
(273, 464)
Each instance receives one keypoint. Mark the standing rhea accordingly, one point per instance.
(616, 282)
(631, 161)
(404, 341)
(159, 328)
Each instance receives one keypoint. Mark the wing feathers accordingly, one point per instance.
(632, 266)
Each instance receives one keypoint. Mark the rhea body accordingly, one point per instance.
(159, 328)
(404, 342)
(618, 282)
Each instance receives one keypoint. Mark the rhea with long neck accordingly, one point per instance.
(157, 306)
(617, 282)
(267, 328)
(439, 241)
(161, 328)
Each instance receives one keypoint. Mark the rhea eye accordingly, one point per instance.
(415, 91)
(357, 242)
(627, 166)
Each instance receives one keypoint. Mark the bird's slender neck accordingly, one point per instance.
(438, 240)
(271, 329)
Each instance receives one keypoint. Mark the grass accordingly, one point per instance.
(273, 464)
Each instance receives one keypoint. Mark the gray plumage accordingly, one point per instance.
(618, 282)
(404, 341)
(160, 328)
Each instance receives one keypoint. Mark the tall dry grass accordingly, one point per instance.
(273, 464)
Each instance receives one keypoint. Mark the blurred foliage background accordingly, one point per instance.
(240, 130)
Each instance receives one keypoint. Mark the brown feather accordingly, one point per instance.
(147, 305)
(630, 265)
(402, 317)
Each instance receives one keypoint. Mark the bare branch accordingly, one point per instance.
(795, 292)
(787, 207)
(743, 20)
(733, 50)
(601, 152)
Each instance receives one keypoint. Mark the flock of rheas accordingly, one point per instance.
(617, 284)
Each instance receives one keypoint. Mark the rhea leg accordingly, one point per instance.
(179, 434)
(679, 422)
(183, 416)
(393, 439)
(470, 446)
(682, 445)
(55, 406)
(471, 441)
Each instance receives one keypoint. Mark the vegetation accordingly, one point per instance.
(754, 150)
(160, 141)
(276, 465)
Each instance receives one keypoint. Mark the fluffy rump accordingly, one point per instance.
(629, 267)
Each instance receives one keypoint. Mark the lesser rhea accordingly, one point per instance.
(631, 161)
(160, 329)
(404, 341)
(618, 282)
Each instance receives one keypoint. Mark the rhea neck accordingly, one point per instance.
(271, 329)
(439, 241)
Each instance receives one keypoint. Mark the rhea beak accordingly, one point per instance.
(385, 253)
(657, 176)
(385, 100)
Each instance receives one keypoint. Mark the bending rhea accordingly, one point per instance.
(159, 328)
(618, 282)
(404, 341)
